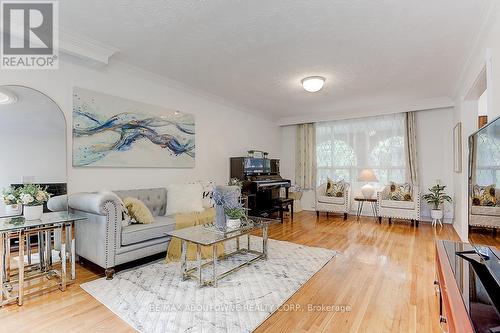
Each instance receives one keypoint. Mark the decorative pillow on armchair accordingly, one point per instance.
(400, 192)
(335, 189)
(484, 195)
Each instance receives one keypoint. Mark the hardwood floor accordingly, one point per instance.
(384, 276)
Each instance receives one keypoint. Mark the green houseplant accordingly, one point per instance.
(436, 198)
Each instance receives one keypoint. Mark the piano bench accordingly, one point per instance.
(282, 204)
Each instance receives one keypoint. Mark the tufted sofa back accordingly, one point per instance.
(154, 198)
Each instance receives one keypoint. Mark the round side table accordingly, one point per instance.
(361, 201)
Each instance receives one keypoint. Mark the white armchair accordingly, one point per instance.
(406, 210)
(331, 204)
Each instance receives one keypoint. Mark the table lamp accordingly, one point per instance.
(367, 176)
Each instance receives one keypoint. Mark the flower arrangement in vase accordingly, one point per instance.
(10, 198)
(33, 197)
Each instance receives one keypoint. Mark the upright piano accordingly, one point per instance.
(262, 182)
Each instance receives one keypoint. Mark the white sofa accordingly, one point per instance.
(331, 204)
(394, 209)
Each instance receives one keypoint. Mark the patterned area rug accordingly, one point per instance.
(152, 298)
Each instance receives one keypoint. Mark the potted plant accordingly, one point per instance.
(33, 197)
(436, 198)
(234, 214)
(10, 197)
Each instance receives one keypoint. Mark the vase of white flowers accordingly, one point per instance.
(10, 197)
(33, 197)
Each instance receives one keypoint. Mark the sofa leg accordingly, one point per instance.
(416, 223)
(390, 220)
(345, 216)
(326, 214)
(110, 272)
(412, 222)
(317, 213)
(380, 220)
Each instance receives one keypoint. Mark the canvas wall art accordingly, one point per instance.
(110, 131)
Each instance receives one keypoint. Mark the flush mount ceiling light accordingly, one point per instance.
(313, 83)
(7, 97)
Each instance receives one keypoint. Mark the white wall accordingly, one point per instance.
(484, 55)
(221, 131)
(434, 149)
(435, 153)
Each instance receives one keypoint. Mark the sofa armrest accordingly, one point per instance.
(98, 237)
(93, 203)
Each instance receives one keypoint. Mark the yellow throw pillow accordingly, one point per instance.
(138, 211)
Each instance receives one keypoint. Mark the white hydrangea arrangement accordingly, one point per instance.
(33, 195)
(10, 196)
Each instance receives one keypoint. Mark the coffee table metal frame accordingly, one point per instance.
(196, 272)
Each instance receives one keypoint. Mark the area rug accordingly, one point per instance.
(152, 298)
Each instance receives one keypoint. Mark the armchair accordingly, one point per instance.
(484, 216)
(407, 210)
(331, 204)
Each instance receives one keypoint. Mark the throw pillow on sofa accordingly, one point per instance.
(138, 211)
(184, 198)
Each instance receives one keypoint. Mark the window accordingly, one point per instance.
(345, 147)
(488, 158)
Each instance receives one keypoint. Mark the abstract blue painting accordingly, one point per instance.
(110, 131)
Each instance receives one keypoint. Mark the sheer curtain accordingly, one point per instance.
(345, 147)
(305, 163)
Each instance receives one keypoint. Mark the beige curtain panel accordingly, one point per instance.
(305, 156)
(411, 148)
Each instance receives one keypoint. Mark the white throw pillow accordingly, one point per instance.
(184, 198)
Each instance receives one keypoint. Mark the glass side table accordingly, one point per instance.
(13, 280)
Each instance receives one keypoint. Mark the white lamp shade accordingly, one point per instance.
(367, 175)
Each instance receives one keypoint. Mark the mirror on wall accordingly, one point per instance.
(484, 177)
(32, 148)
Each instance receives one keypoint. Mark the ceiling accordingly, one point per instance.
(254, 53)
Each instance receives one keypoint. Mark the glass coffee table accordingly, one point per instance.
(203, 235)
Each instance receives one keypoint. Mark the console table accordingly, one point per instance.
(41, 263)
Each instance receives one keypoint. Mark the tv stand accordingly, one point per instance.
(469, 296)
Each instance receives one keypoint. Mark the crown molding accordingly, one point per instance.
(182, 87)
(488, 21)
(91, 51)
(363, 111)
